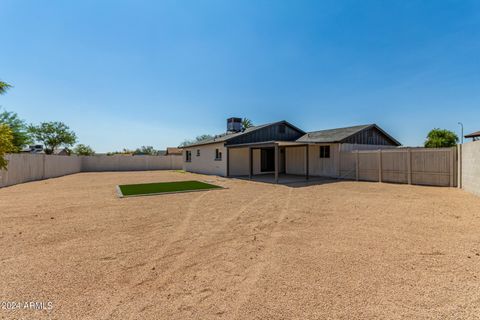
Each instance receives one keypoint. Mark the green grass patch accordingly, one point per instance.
(164, 187)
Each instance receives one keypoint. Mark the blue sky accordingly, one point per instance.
(131, 73)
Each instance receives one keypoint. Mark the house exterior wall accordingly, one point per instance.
(256, 161)
(327, 167)
(295, 161)
(206, 162)
(238, 162)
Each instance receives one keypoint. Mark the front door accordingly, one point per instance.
(267, 160)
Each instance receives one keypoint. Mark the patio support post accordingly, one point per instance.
(276, 163)
(380, 168)
(250, 163)
(409, 166)
(357, 166)
(228, 162)
(307, 169)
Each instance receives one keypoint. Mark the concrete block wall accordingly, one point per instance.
(470, 167)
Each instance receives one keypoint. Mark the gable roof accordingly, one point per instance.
(227, 136)
(340, 134)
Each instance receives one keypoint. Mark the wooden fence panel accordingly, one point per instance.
(23, 167)
(420, 166)
(431, 167)
(347, 165)
(394, 166)
(368, 166)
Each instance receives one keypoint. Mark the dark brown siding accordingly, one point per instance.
(370, 136)
(269, 133)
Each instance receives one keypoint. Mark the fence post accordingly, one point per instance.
(44, 160)
(452, 166)
(409, 165)
(459, 166)
(357, 166)
(380, 178)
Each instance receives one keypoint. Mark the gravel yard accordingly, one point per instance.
(340, 250)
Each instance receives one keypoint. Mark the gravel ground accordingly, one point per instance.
(341, 250)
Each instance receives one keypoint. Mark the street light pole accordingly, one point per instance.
(461, 124)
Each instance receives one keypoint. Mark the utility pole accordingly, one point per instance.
(461, 124)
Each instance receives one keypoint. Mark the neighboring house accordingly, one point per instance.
(61, 152)
(280, 147)
(475, 136)
(174, 151)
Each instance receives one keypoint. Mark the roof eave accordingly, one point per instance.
(202, 144)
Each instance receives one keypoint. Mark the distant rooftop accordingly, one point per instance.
(473, 135)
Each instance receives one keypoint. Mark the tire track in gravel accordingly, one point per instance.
(175, 237)
(248, 286)
(181, 259)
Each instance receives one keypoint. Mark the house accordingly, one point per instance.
(62, 152)
(475, 136)
(280, 148)
(173, 151)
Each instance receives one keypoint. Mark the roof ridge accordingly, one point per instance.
(338, 128)
(342, 128)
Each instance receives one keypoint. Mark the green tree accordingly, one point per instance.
(53, 135)
(125, 151)
(441, 138)
(198, 139)
(6, 144)
(247, 123)
(83, 150)
(4, 87)
(146, 150)
(21, 137)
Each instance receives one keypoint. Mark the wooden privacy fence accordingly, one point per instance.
(23, 167)
(422, 166)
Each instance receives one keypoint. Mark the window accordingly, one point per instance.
(324, 151)
(188, 156)
(281, 128)
(198, 152)
(218, 155)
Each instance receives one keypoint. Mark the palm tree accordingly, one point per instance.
(4, 87)
(247, 123)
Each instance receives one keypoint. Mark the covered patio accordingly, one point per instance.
(288, 179)
(271, 167)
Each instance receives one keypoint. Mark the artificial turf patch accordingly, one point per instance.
(164, 187)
